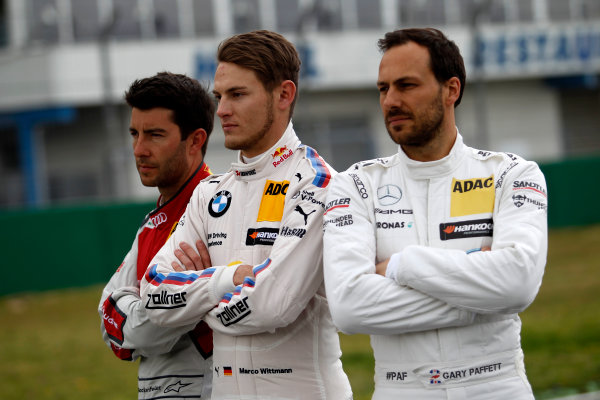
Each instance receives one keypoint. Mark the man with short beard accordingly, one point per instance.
(172, 117)
(247, 256)
(434, 251)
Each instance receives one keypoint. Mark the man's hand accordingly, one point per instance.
(381, 267)
(241, 273)
(192, 259)
(198, 259)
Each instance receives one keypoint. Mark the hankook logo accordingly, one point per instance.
(388, 194)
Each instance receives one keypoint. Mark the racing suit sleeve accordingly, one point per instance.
(360, 300)
(504, 280)
(290, 277)
(182, 298)
(125, 326)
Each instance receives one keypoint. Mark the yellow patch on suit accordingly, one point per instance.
(271, 205)
(472, 196)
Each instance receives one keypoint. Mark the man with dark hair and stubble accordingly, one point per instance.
(435, 250)
(171, 119)
(247, 256)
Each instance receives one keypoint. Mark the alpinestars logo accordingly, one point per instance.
(467, 229)
(176, 387)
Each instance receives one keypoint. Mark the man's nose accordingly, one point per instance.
(140, 147)
(223, 108)
(392, 99)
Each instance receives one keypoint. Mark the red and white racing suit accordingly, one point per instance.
(174, 362)
(273, 335)
(443, 321)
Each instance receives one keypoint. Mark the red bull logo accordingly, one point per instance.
(279, 151)
(281, 154)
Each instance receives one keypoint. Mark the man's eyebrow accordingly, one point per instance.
(229, 90)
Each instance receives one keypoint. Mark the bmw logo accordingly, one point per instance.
(219, 204)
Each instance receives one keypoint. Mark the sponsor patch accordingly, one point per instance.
(245, 173)
(264, 236)
(176, 387)
(288, 232)
(219, 204)
(532, 186)
(393, 225)
(307, 195)
(388, 195)
(114, 320)
(340, 221)
(337, 203)
(272, 202)
(281, 154)
(520, 199)
(235, 312)
(467, 229)
(216, 238)
(360, 186)
(166, 300)
(472, 196)
(156, 220)
(304, 214)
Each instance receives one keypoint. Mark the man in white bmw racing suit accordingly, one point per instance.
(260, 287)
(434, 250)
(171, 119)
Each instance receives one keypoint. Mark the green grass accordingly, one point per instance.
(51, 348)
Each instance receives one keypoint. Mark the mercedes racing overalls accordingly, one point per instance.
(443, 321)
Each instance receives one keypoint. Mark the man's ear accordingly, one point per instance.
(453, 88)
(196, 140)
(286, 94)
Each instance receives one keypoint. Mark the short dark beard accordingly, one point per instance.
(426, 129)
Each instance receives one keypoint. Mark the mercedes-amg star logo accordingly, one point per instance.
(388, 194)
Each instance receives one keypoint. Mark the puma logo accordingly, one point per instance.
(305, 215)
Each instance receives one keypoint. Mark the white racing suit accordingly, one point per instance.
(273, 335)
(174, 362)
(443, 321)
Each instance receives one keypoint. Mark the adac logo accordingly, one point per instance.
(472, 196)
(435, 377)
(219, 204)
(281, 154)
(273, 200)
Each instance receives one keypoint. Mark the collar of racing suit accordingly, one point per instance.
(437, 168)
(267, 162)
